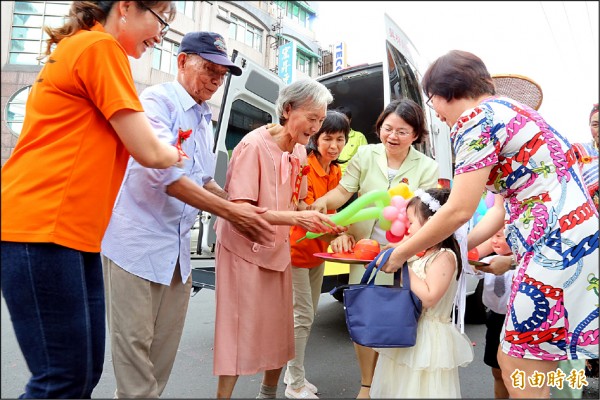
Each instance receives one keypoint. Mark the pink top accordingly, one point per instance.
(256, 174)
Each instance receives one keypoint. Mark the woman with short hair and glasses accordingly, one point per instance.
(379, 167)
(83, 120)
(551, 222)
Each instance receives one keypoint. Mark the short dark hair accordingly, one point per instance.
(345, 110)
(458, 75)
(410, 112)
(334, 122)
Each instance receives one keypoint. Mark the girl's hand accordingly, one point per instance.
(389, 246)
(395, 262)
(343, 243)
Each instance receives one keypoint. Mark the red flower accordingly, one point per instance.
(182, 137)
(305, 170)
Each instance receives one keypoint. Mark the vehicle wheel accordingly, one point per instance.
(339, 295)
(475, 312)
(199, 243)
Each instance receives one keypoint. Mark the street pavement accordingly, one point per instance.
(330, 360)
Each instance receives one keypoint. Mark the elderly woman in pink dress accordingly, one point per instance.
(254, 326)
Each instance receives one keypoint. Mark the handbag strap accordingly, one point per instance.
(384, 256)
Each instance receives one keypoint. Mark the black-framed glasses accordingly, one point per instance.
(165, 27)
(428, 102)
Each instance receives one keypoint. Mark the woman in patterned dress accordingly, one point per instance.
(551, 222)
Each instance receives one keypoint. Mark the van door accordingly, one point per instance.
(404, 69)
(248, 102)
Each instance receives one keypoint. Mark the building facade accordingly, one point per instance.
(256, 29)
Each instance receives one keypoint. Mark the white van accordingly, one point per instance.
(249, 102)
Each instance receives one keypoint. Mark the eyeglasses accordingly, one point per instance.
(165, 27)
(211, 68)
(401, 133)
(428, 102)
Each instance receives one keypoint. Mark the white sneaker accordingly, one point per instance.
(307, 384)
(304, 393)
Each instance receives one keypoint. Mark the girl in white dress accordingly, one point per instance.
(429, 369)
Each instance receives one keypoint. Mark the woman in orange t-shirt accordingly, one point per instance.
(83, 119)
(323, 150)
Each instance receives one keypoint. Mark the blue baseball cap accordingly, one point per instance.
(211, 47)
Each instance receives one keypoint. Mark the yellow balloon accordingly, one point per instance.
(401, 189)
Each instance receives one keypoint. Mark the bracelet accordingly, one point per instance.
(180, 154)
(513, 262)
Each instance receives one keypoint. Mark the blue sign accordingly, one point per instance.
(339, 56)
(286, 67)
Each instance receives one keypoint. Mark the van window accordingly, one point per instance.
(243, 118)
(403, 82)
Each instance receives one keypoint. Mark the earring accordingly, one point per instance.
(123, 19)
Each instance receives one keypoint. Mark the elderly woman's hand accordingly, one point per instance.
(314, 221)
(343, 243)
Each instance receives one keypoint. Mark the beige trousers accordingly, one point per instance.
(145, 321)
(306, 283)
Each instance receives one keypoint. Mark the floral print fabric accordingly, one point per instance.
(552, 227)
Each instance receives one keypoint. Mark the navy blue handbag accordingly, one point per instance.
(382, 316)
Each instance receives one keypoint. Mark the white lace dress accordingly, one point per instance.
(430, 368)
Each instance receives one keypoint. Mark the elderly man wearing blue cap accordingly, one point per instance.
(146, 248)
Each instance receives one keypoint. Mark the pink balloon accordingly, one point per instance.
(402, 213)
(390, 213)
(398, 201)
(489, 199)
(392, 238)
(398, 228)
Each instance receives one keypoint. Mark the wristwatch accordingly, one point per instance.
(513, 262)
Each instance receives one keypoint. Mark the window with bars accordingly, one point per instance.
(164, 56)
(185, 7)
(27, 39)
(245, 32)
(15, 110)
(303, 63)
(295, 12)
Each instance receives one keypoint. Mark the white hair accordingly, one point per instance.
(307, 93)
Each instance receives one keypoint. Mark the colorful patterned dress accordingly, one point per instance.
(552, 228)
(587, 158)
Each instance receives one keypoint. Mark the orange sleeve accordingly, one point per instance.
(103, 72)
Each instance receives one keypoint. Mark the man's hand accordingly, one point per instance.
(250, 222)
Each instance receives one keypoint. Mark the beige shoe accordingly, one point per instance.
(307, 384)
(303, 393)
